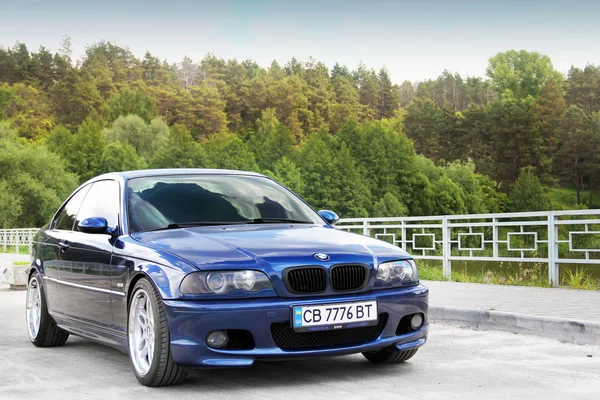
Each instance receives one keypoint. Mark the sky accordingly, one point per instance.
(414, 40)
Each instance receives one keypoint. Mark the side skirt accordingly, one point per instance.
(93, 332)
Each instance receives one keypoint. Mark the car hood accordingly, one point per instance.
(279, 246)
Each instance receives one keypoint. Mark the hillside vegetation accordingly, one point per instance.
(523, 138)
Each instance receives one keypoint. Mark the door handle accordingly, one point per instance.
(64, 245)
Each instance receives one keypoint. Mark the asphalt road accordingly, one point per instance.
(455, 364)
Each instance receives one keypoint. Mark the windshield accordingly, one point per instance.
(162, 202)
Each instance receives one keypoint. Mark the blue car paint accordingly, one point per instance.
(166, 257)
(190, 322)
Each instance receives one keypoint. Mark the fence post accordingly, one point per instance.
(366, 230)
(495, 237)
(4, 239)
(553, 268)
(404, 235)
(17, 241)
(446, 249)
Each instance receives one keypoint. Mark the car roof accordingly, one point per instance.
(125, 175)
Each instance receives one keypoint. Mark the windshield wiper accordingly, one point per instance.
(277, 221)
(217, 223)
(200, 223)
(190, 224)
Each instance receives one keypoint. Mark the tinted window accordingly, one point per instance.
(102, 200)
(66, 217)
(156, 202)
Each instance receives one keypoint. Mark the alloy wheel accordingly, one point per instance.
(141, 332)
(34, 308)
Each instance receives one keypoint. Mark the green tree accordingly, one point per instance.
(368, 89)
(180, 151)
(85, 150)
(494, 201)
(335, 180)
(422, 122)
(449, 199)
(384, 157)
(270, 140)
(27, 110)
(463, 174)
(547, 114)
(578, 157)
(528, 193)
(228, 151)
(406, 92)
(208, 110)
(118, 157)
(583, 88)
(75, 97)
(34, 178)
(144, 138)
(10, 207)
(320, 94)
(288, 174)
(81, 151)
(347, 105)
(388, 95)
(389, 206)
(522, 72)
(120, 61)
(129, 102)
(509, 139)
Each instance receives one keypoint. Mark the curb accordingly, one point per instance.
(566, 330)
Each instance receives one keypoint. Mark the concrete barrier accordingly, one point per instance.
(580, 332)
(15, 276)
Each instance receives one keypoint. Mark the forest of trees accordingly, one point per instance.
(347, 140)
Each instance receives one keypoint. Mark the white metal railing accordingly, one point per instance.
(17, 237)
(552, 237)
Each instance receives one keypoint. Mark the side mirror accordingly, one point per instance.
(329, 216)
(93, 225)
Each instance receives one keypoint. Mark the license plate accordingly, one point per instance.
(334, 316)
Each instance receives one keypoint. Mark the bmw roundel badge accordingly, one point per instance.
(321, 256)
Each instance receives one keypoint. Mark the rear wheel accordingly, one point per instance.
(43, 331)
(389, 355)
(149, 339)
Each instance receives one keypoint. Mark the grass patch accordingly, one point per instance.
(580, 279)
(20, 263)
(566, 198)
(530, 275)
(13, 249)
(534, 276)
(430, 272)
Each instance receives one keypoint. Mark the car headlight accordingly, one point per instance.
(217, 282)
(404, 271)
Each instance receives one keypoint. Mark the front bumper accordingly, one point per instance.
(191, 321)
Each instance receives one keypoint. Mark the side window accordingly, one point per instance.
(102, 200)
(66, 217)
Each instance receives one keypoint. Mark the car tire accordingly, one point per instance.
(157, 367)
(389, 355)
(42, 329)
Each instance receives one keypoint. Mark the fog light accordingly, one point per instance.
(416, 321)
(216, 339)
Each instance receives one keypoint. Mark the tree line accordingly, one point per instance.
(349, 140)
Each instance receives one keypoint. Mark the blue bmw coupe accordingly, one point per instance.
(215, 268)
